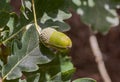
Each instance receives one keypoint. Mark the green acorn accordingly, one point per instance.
(55, 39)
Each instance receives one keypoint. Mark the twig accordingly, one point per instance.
(35, 19)
(99, 58)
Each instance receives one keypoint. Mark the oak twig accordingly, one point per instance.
(35, 19)
(99, 58)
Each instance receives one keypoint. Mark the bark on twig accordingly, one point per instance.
(99, 58)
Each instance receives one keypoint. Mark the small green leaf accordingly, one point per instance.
(67, 75)
(23, 9)
(10, 24)
(13, 20)
(84, 80)
(66, 64)
(67, 68)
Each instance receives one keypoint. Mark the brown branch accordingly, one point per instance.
(99, 58)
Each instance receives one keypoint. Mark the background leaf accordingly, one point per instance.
(97, 14)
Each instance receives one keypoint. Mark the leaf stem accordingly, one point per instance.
(35, 19)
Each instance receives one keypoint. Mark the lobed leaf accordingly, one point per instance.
(26, 58)
(48, 21)
(60, 26)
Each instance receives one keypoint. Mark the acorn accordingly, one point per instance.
(54, 39)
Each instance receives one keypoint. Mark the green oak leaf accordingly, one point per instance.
(11, 24)
(48, 21)
(67, 75)
(60, 26)
(84, 80)
(63, 76)
(26, 58)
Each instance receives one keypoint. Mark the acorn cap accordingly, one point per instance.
(45, 34)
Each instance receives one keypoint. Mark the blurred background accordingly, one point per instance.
(82, 56)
